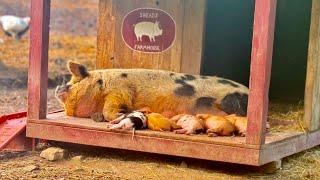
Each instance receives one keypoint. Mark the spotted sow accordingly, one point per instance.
(115, 91)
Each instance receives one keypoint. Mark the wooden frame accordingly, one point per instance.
(256, 149)
(312, 91)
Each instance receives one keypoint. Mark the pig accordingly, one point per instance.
(217, 125)
(113, 92)
(149, 29)
(189, 124)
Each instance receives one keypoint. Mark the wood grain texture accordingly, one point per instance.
(193, 36)
(122, 53)
(145, 144)
(312, 88)
(59, 127)
(38, 59)
(260, 71)
(105, 35)
(280, 149)
(112, 52)
(60, 119)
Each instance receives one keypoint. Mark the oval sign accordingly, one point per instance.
(148, 30)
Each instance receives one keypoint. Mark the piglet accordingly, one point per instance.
(134, 120)
(239, 122)
(217, 125)
(189, 124)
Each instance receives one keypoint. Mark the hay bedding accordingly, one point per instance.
(286, 117)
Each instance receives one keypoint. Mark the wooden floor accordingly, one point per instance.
(59, 127)
(62, 120)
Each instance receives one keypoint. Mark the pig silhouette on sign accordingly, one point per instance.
(149, 29)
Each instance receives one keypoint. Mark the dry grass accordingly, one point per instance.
(286, 117)
(15, 55)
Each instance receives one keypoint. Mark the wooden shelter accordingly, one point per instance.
(257, 148)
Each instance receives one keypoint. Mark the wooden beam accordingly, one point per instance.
(193, 36)
(38, 59)
(312, 89)
(105, 34)
(198, 150)
(260, 72)
(289, 146)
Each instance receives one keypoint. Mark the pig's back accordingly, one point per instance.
(169, 88)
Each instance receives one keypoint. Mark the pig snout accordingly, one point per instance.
(61, 92)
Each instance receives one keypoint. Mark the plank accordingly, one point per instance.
(123, 54)
(193, 36)
(144, 144)
(11, 129)
(270, 152)
(174, 54)
(60, 119)
(312, 88)
(105, 35)
(59, 127)
(260, 70)
(145, 60)
(38, 59)
(277, 150)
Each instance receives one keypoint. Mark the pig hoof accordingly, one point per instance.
(212, 134)
(180, 131)
(97, 117)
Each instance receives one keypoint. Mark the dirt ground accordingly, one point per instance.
(77, 41)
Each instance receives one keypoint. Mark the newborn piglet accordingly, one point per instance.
(189, 124)
(131, 121)
(239, 122)
(217, 125)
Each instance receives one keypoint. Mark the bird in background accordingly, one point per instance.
(14, 26)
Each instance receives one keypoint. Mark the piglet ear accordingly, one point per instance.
(78, 70)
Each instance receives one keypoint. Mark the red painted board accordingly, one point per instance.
(6, 117)
(38, 59)
(11, 129)
(260, 72)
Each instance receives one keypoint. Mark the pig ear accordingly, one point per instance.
(78, 70)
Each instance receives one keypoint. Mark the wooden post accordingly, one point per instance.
(312, 89)
(261, 58)
(38, 59)
(105, 34)
(193, 48)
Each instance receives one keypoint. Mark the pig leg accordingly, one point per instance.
(212, 131)
(97, 117)
(124, 124)
(117, 102)
(181, 131)
(176, 118)
(190, 132)
(116, 121)
(212, 134)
